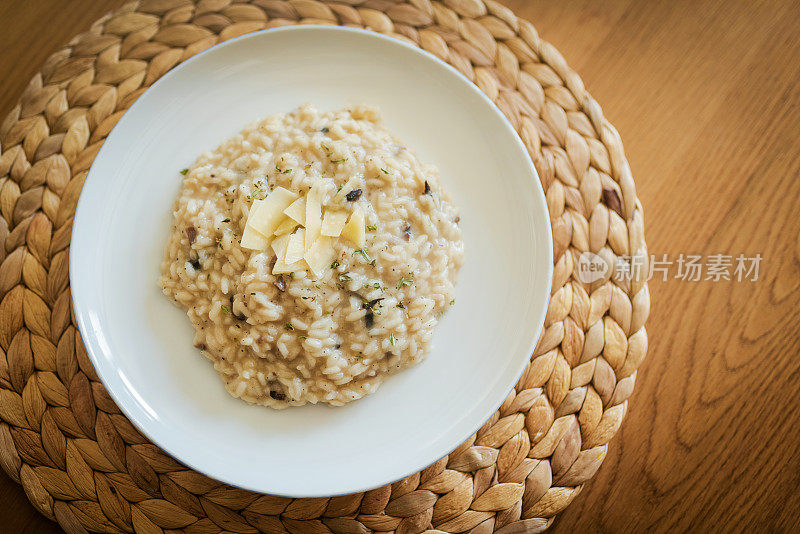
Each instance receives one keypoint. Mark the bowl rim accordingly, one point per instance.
(88, 334)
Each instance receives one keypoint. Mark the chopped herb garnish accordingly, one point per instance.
(224, 309)
(301, 336)
(344, 278)
(376, 285)
(282, 171)
(392, 339)
(257, 191)
(372, 227)
(184, 171)
(342, 160)
(226, 220)
(405, 281)
(335, 264)
(452, 302)
(291, 275)
(400, 305)
(308, 166)
(365, 255)
(339, 188)
(288, 326)
(385, 171)
(325, 148)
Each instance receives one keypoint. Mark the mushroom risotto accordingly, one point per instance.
(314, 255)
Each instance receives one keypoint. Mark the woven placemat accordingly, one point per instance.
(83, 464)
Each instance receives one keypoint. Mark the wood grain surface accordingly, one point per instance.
(706, 97)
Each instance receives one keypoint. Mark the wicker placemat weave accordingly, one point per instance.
(83, 464)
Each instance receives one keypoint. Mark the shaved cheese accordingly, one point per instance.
(296, 247)
(276, 219)
(254, 207)
(313, 213)
(266, 215)
(286, 227)
(332, 223)
(253, 240)
(279, 245)
(281, 267)
(354, 229)
(297, 210)
(320, 255)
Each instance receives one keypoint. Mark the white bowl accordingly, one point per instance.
(141, 344)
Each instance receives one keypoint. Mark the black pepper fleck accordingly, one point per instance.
(325, 130)
(195, 264)
(369, 319)
(277, 395)
(427, 188)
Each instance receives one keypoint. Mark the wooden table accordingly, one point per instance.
(706, 97)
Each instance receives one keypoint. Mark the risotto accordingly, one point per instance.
(314, 255)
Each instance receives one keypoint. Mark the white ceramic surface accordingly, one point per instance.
(141, 345)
